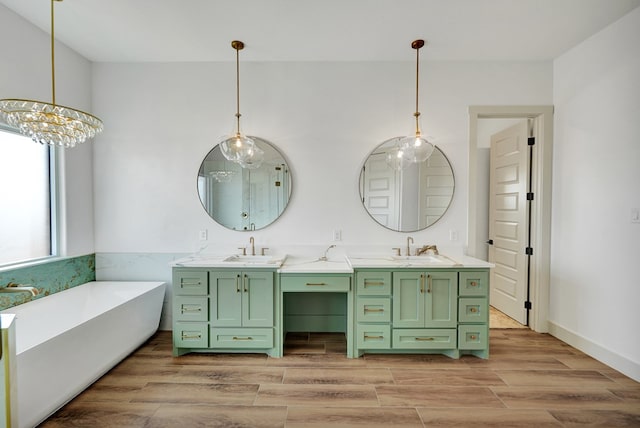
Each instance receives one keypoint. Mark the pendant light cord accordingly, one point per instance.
(417, 113)
(53, 61)
(237, 48)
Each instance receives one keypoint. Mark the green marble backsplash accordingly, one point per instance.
(49, 278)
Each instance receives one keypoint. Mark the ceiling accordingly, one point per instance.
(322, 30)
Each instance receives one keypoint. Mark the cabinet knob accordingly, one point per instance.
(474, 284)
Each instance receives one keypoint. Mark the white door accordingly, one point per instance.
(379, 190)
(508, 220)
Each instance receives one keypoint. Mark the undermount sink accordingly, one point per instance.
(267, 260)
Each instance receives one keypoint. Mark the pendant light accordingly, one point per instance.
(50, 123)
(240, 148)
(416, 148)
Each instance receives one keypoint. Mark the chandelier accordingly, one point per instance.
(238, 147)
(413, 148)
(50, 123)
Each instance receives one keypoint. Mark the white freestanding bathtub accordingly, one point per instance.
(66, 341)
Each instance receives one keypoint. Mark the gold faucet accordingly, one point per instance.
(409, 239)
(19, 288)
(253, 247)
(426, 248)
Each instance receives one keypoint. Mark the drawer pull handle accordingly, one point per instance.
(421, 283)
(473, 337)
(368, 283)
(238, 283)
(425, 339)
(191, 336)
(474, 284)
(428, 283)
(244, 282)
(366, 336)
(316, 283)
(373, 310)
(473, 310)
(186, 309)
(242, 338)
(191, 284)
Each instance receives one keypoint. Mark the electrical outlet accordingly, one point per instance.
(337, 235)
(635, 215)
(203, 235)
(453, 235)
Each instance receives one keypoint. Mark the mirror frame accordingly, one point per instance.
(361, 188)
(289, 177)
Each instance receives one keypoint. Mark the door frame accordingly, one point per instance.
(541, 209)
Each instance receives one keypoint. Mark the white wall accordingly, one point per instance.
(25, 72)
(162, 119)
(595, 247)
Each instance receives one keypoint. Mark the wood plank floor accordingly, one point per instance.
(530, 379)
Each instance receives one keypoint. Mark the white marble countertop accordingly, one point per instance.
(311, 265)
(338, 264)
(271, 261)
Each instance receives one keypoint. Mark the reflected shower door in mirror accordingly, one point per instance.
(245, 198)
(406, 199)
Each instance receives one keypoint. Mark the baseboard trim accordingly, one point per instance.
(599, 352)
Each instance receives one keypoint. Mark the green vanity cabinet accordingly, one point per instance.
(410, 310)
(373, 309)
(190, 310)
(224, 310)
(473, 313)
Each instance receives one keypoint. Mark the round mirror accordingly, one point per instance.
(409, 196)
(245, 197)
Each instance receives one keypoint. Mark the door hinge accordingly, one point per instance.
(531, 141)
(527, 305)
(528, 251)
(530, 196)
(490, 242)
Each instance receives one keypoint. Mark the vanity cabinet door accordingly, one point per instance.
(408, 300)
(241, 299)
(441, 299)
(425, 299)
(226, 298)
(257, 299)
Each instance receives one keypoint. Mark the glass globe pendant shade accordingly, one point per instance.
(50, 124)
(395, 156)
(254, 159)
(416, 148)
(237, 148)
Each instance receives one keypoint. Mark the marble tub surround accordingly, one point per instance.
(48, 277)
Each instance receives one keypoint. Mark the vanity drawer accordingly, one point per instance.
(474, 284)
(190, 283)
(473, 336)
(190, 308)
(473, 309)
(242, 338)
(424, 338)
(373, 283)
(315, 283)
(191, 335)
(373, 310)
(372, 336)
